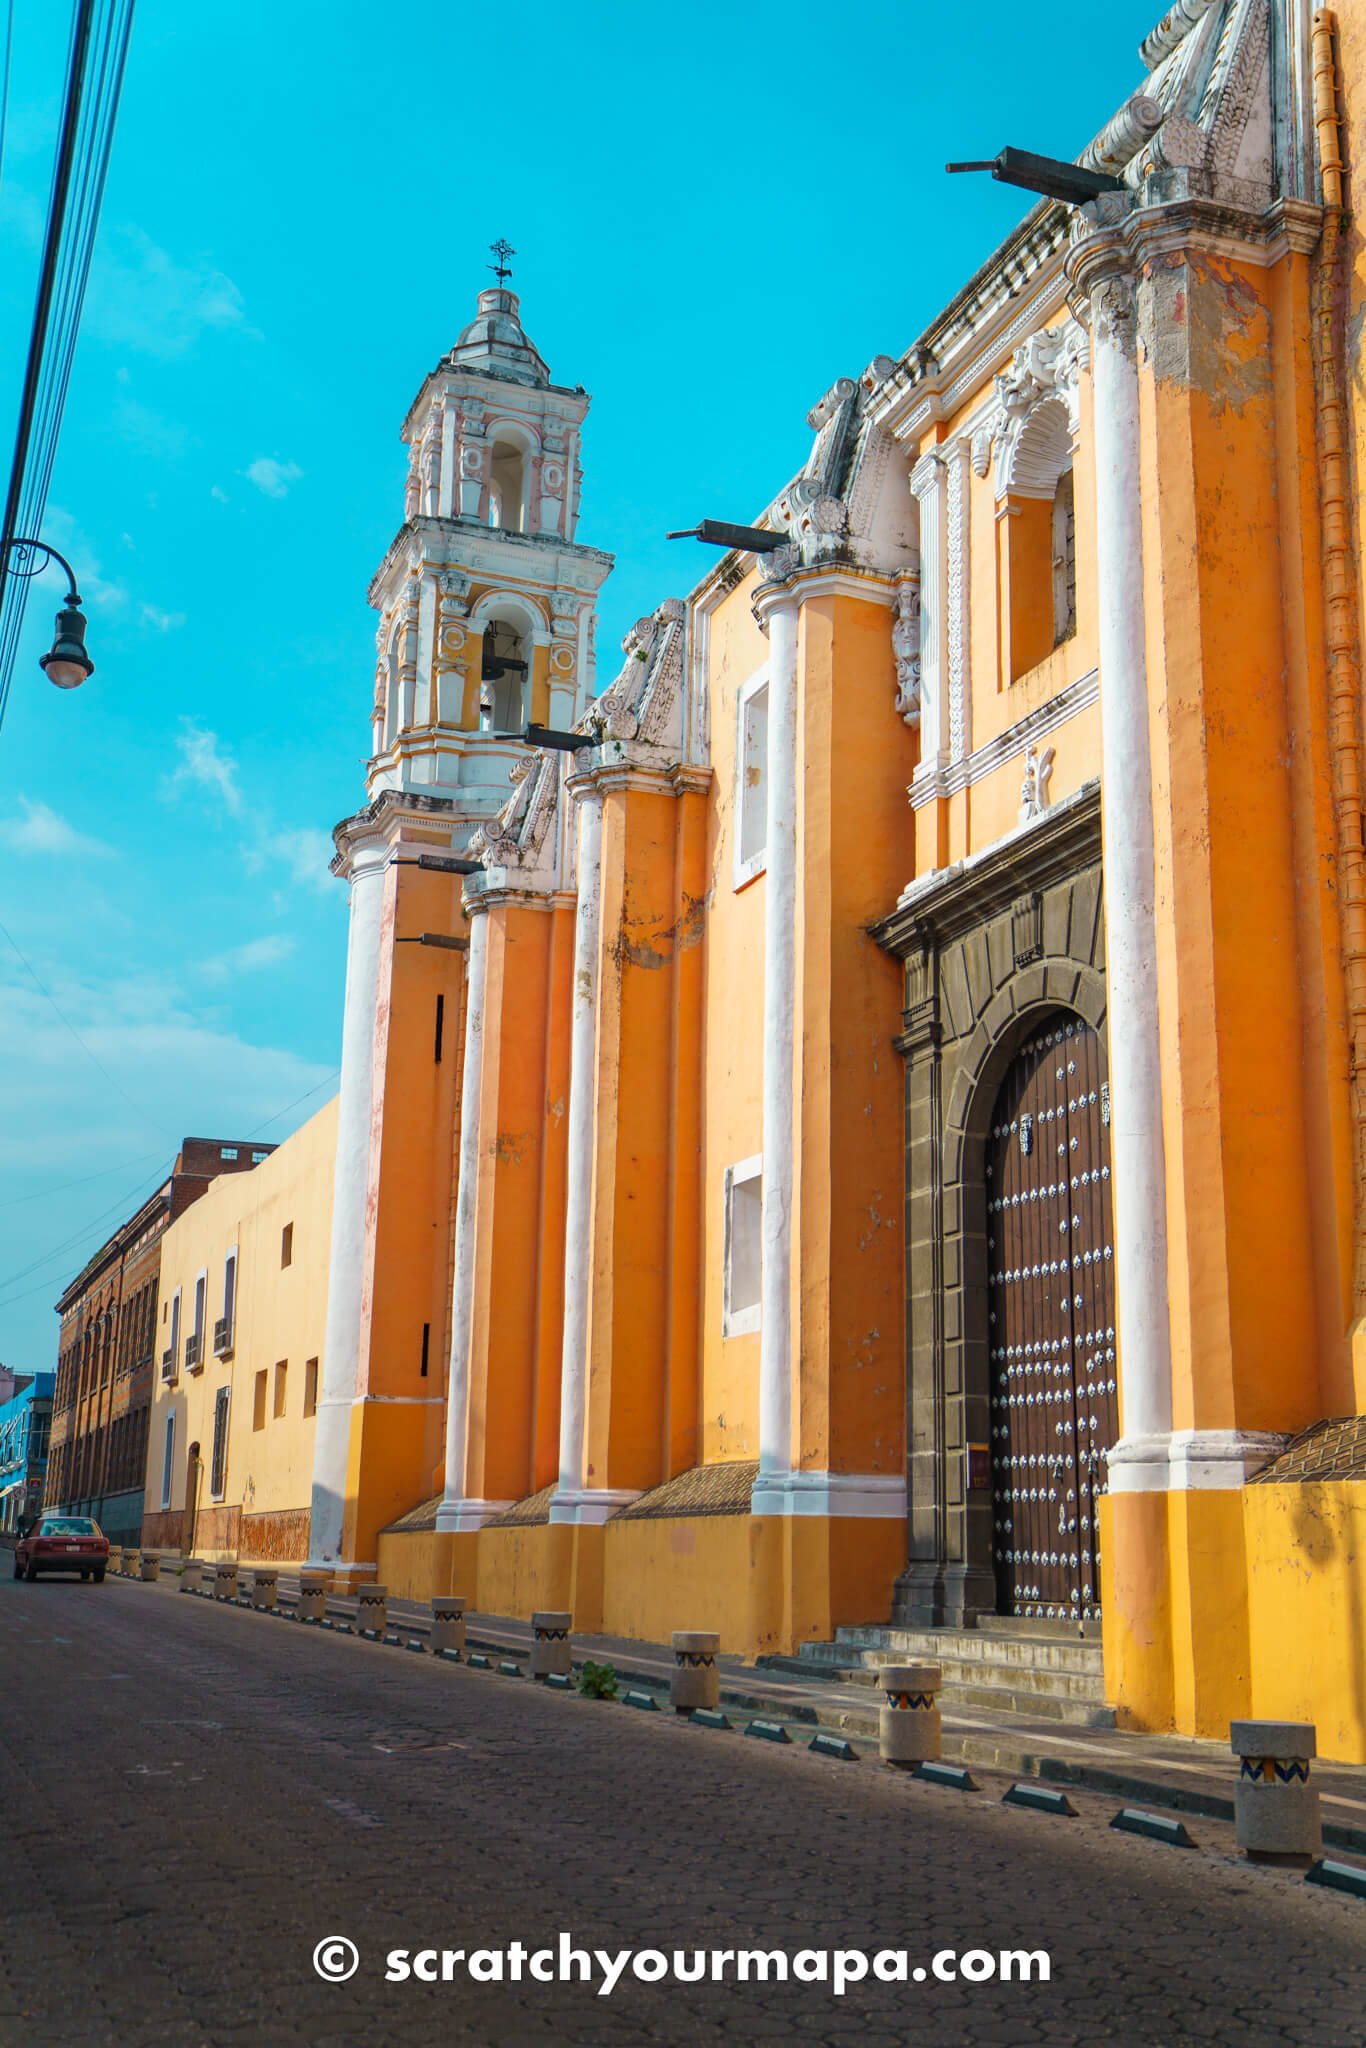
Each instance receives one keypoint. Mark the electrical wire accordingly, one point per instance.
(96, 64)
(4, 83)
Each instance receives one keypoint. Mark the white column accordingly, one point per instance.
(457, 1511)
(929, 486)
(1139, 1461)
(780, 1001)
(346, 1268)
(567, 1503)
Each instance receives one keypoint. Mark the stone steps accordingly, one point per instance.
(1037, 1674)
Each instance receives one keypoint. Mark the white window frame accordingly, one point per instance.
(168, 1460)
(230, 1292)
(201, 1307)
(744, 1320)
(174, 1346)
(745, 869)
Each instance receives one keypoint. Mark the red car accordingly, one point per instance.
(63, 1543)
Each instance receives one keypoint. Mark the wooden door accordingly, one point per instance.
(1054, 1381)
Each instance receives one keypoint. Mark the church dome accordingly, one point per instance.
(495, 341)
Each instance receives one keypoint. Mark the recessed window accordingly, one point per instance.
(311, 1387)
(1064, 560)
(744, 1190)
(287, 1245)
(507, 487)
(751, 780)
(281, 1383)
(218, 1469)
(259, 1397)
(257, 1157)
(227, 1152)
(167, 1460)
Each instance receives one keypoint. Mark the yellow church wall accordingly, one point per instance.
(850, 1282)
(1306, 1570)
(398, 1427)
(279, 1320)
(1241, 1302)
(732, 1038)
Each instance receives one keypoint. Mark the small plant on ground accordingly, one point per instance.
(598, 1681)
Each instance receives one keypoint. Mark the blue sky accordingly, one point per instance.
(717, 211)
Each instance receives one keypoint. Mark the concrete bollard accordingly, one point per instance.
(696, 1681)
(130, 1565)
(312, 1596)
(264, 1586)
(1275, 1807)
(149, 1567)
(192, 1575)
(551, 1650)
(225, 1582)
(372, 1611)
(909, 1728)
(448, 1624)
(115, 1564)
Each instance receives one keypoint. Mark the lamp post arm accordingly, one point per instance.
(24, 550)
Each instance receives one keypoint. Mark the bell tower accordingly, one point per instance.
(486, 606)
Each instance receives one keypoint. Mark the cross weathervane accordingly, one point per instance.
(502, 249)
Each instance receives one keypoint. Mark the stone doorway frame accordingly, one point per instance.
(989, 948)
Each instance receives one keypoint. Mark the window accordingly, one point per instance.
(281, 1381)
(287, 1245)
(1064, 560)
(440, 1027)
(227, 1151)
(742, 1250)
(751, 780)
(258, 1406)
(311, 1387)
(194, 1348)
(167, 1461)
(222, 1340)
(174, 1346)
(218, 1469)
(257, 1157)
(426, 1349)
(505, 667)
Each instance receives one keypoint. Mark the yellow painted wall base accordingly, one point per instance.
(765, 1583)
(1225, 1604)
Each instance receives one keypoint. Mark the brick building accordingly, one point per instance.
(110, 1337)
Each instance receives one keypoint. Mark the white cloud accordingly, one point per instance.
(267, 951)
(161, 622)
(41, 830)
(217, 491)
(272, 476)
(302, 853)
(204, 765)
(140, 297)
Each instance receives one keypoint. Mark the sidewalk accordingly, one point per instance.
(1166, 1771)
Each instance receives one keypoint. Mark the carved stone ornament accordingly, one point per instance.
(1114, 315)
(906, 648)
(1045, 368)
(1034, 789)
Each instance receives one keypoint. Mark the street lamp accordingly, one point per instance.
(66, 662)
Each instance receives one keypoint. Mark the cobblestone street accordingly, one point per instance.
(195, 1796)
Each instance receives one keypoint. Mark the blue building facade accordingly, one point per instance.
(25, 1422)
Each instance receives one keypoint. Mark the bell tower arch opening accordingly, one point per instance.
(505, 669)
(508, 465)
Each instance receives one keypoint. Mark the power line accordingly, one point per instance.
(97, 56)
(334, 1075)
(64, 1186)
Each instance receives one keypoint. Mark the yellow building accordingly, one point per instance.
(244, 1294)
(872, 1129)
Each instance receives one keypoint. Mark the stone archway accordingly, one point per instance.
(991, 948)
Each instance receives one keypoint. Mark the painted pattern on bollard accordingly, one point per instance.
(909, 1728)
(448, 1623)
(551, 1649)
(696, 1681)
(372, 1611)
(264, 1587)
(225, 1582)
(1275, 1804)
(312, 1596)
(149, 1567)
(192, 1575)
(130, 1565)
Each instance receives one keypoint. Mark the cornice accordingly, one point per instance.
(992, 754)
(467, 545)
(941, 906)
